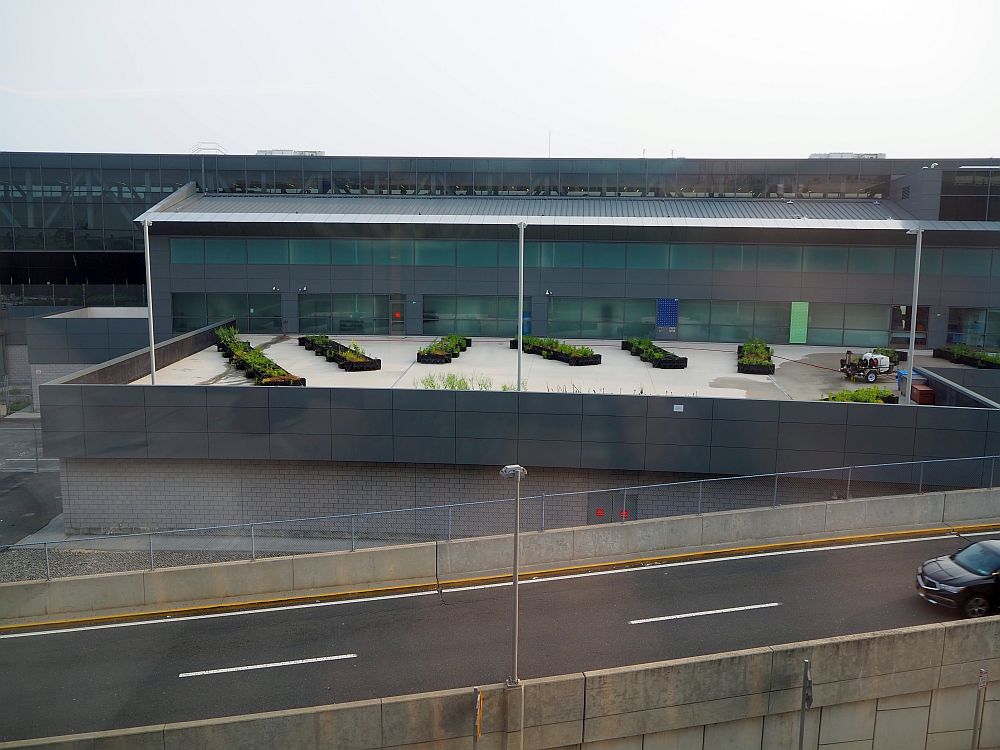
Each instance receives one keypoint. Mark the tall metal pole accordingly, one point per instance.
(517, 548)
(913, 312)
(520, 299)
(515, 471)
(149, 304)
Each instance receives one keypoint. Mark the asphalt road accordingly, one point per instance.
(93, 679)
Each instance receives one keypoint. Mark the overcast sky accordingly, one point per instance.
(425, 78)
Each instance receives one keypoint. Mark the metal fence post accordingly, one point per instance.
(543, 512)
(992, 464)
(353, 545)
(624, 514)
(449, 523)
(920, 487)
(150, 538)
(34, 430)
(774, 495)
(850, 469)
(48, 570)
(253, 544)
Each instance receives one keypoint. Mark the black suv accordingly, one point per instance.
(967, 580)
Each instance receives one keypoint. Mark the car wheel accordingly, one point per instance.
(976, 606)
(871, 376)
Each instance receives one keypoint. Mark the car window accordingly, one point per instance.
(978, 558)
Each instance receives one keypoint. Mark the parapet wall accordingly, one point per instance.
(432, 563)
(893, 690)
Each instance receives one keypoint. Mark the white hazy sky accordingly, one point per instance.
(699, 78)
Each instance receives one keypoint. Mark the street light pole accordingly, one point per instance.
(913, 312)
(520, 298)
(149, 303)
(507, 472)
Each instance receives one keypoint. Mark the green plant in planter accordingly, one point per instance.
(357, 351)
(755, 352)
(872, 395)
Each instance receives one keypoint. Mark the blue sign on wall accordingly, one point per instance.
(666, 313)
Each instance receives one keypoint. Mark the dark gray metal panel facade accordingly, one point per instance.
(83, 340)
(652, 433)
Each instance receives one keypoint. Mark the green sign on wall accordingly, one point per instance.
(799, 323)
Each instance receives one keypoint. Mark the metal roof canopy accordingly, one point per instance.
(761, 213)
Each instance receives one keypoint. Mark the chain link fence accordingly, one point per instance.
(147, 551)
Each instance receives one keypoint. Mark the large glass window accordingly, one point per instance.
(309, 252)
(225, 251)
(473, 315)
(899, 325)
(648, 255)
(731, 320)
(826, 324)
(824, 259)
(871, 260)
(267, 252)
(961, 262)
(476, 254)
(254, 313)
(434, 253)
(866, 325)
(734, 258)
(508, 250)
(345, 253)
(693, 317)
(339, 314)
(780, 258)
(187, 250)
(189, 311)
(604, 255)
(390, 252)
(560, 254)
(967, 325)
(691, 257)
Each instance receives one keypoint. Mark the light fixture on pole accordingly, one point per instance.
(520, 298)
(149, 303)
(913, 311)
(515, 471)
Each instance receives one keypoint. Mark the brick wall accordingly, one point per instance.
(101, 495)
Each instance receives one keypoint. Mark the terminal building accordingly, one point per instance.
(813, 251)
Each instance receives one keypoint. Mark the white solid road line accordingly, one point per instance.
(706, 612)
(525, 579)
(268, 666)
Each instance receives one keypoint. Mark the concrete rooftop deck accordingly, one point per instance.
(802, 372)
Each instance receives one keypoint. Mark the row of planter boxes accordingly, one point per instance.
(962, 358)
(334, 351)
(665, 361)
(443, 356)
(580, 360)
(259, 376)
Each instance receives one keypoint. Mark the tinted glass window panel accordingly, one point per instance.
(824, 259)
(507, 251)
(730, 334)
(264, 305)
(604, 255)
(269, 251)
(691, 257)
(314, 304)
(640, 311)
(726, 312)
(871, 260)
(962, 262)
(734, 258)
(648, 255)
(694, 312)
(826, 315)
(392, 252)
(476, 254)
(189, 305)
(439, 306)
(773, 314)
(867, 316)
(561, 254)
(187, 250)
(225, 251)
(344, 252)
(222, 306)
(476, 307)
(564, 309)
(781, 258)
(602, 310)
(434, 253)
(309, 252)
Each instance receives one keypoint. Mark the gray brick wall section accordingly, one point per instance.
(18, 369)
(44, 373)
(113, 495)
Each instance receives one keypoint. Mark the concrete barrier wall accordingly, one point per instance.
(418, 564)
(901, 689)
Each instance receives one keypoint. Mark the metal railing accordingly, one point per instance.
(448, 522)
